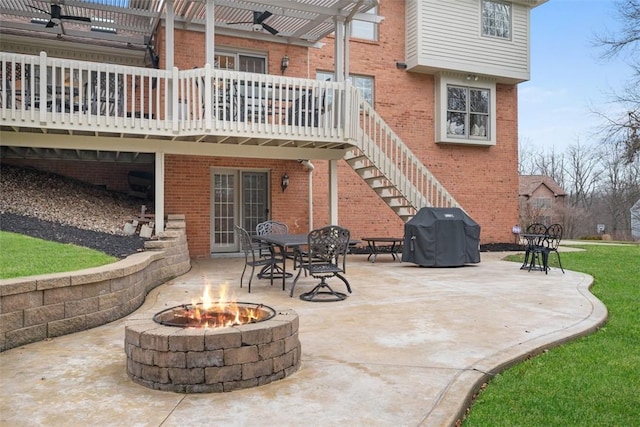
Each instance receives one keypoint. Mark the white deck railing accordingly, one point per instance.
(205, 103)
(43, 92)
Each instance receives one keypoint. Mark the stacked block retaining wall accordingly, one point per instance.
(40, 307)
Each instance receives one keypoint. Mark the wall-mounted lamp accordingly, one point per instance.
(284, 183)
(284, 64)
(401, 65)
(472, 77)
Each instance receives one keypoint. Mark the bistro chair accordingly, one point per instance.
(550, 244)
(252, 256)
(534, 234)
(326, 257)
(273, 227)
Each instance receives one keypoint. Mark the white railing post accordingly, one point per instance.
(43, 87)
(175, 82)
(345, 103)
(208, 101)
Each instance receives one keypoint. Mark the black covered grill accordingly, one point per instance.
(441, 237)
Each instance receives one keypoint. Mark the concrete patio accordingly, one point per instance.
(408, 347)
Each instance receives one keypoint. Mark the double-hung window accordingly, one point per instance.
(465, 110)
(241, 62)
(496, 19)
(364, 29)
(363, 83)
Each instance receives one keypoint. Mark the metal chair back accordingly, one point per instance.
(252, 255)
(326, 257)
(271, 227)
(554, 235)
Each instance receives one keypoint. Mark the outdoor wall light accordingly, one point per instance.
(284, 64)
(401, 65)
(284, 183)
(472, 77)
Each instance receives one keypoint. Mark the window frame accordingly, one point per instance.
(237, 59)
(363, 30)
(443, 82)
(491, 31)
(369, 96)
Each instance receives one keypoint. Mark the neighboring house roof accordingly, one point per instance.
(530, 183)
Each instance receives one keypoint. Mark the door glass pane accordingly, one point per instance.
(224, 202)
(255, 208)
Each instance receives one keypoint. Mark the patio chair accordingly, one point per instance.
(532, 243)
(550, 244)
(273, 227)
(252, 256)
(325, 258)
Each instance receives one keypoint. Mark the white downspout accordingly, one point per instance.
(159, 193)
(333, 192)
(310, 167)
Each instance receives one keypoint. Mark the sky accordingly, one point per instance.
(568, 78)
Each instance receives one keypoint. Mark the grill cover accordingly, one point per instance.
(441, 237)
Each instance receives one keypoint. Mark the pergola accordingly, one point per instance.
(134, 22)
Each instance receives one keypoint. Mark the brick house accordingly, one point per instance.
(371, 109)
(541, 200)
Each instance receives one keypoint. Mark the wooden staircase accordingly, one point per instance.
(390, 168)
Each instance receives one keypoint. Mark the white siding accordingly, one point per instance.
(446, 35)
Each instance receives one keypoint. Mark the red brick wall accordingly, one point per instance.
(484, 180)
(188, 191)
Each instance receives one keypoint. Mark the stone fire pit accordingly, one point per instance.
(204, 360)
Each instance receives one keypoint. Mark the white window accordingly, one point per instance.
(541, 203)
(241, 62)
(363, 83)
(496, 19)
(465, 110)
(364, 29)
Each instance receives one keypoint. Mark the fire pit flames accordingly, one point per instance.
(210, 314)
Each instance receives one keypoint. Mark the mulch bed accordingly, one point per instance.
(116, 245)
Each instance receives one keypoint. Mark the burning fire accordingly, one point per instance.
(216, 314)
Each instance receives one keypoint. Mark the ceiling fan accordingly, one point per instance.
(56, 16)
(258, 22)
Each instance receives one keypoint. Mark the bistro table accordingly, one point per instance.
(284, 242)
(393, 245)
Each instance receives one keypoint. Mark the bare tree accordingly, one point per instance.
(583, 172)
(619, 190)
(552, 164)
(625, 127)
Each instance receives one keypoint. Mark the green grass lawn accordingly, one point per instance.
(593, 381)
(26, 256)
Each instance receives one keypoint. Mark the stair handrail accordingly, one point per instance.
(397, 163)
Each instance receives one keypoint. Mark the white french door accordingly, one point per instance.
(237, 197)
